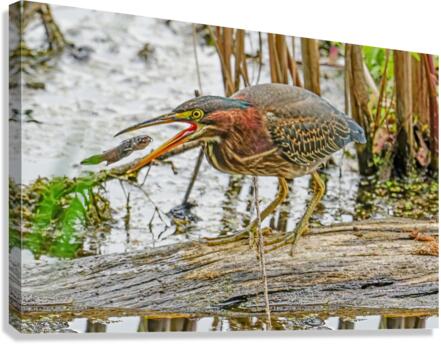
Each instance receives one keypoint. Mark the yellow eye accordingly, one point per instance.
(197, 114)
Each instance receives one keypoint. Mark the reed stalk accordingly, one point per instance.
(405, 154)
(358, 91)
(311, 64)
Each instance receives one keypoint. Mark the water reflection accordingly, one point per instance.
(285, 210)
(230, 216)
(167, 325)
(346, 324)
(402, 322)
(221, 324)
(95, 326)
(132, 324)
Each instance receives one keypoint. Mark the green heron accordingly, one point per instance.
(264, 130)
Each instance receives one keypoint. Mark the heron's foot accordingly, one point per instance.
(228, 239)
(247, 233)
(291, 238)
(254, 235)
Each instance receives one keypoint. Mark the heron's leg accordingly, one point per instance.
(319, 191)
(302, 225)
(281, 195)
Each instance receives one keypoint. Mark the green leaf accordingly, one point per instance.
(59, 215)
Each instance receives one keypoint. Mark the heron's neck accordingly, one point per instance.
(243, 131)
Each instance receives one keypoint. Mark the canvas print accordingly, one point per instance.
(171, 176)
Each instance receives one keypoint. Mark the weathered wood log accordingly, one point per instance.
(370, 267)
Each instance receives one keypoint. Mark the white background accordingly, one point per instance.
(404, 24)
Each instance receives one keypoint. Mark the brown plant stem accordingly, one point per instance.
(434, 112)
(311, 64)
(358, 100)
(381, 93)
(260, 247)
(404, 158)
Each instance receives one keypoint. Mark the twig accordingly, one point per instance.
(388, 110)
(253, 70)
(136, 185)
(262, 253)
(194, 176)
(197, 93)
(259, 70)
(128, 208)
(195, 52)
(370, 80)
(146, 175)
(127, 217)
(120, 172)
(382, 91)
(229, 84)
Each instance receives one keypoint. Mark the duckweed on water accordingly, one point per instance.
(415, 197)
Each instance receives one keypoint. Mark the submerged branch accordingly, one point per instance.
(120, 172)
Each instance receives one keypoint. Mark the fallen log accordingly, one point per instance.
(372, 267)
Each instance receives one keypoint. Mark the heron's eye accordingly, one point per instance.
(197, 114)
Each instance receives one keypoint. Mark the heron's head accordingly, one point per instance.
(207, 118)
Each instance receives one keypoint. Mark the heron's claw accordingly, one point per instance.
(227, 239)
(291, 238)
(249, 233)
(254, 235)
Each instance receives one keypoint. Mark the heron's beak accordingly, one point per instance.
(180, 138)
(167, 118)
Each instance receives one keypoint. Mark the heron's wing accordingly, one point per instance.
(308, 139)
(305, 127)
